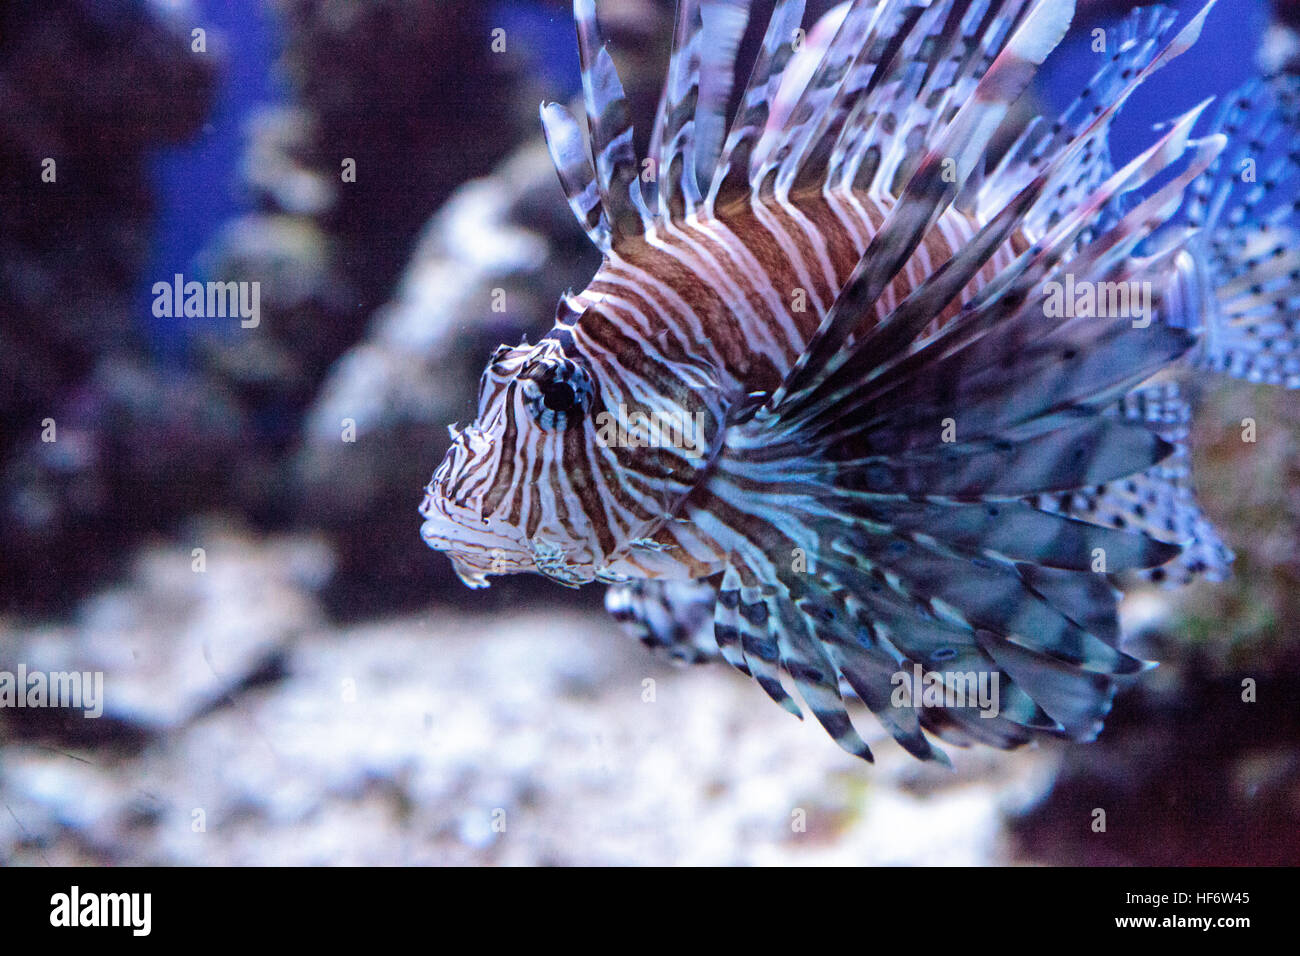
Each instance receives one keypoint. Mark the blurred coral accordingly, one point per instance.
(1200, 759)
(86, 94)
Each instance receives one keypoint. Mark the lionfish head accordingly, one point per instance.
(502, 501)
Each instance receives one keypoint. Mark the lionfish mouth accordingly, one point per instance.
(475, 547)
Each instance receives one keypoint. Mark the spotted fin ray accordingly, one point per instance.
(672, 617)
(1246, 280)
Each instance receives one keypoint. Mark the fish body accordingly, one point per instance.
(851, 401)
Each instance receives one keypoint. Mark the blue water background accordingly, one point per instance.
(197, 184)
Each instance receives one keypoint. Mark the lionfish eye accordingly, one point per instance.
(558, 396)
(557, 392)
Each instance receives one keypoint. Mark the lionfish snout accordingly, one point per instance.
(476, 547)
(456, 523)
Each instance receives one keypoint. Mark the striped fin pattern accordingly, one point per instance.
(569, 154)
(1133, 45)
(778, 145)
(672, 146)
(724, 23)
(926, 84)
(610, 128)
(744, 621)
(671, 617)
(939, 176)
(731, 182)
(931, 550)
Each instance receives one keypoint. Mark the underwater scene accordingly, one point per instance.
(470, 433)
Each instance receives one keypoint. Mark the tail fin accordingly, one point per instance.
(1247, 206)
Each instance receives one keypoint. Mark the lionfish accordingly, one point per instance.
(905, 453)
